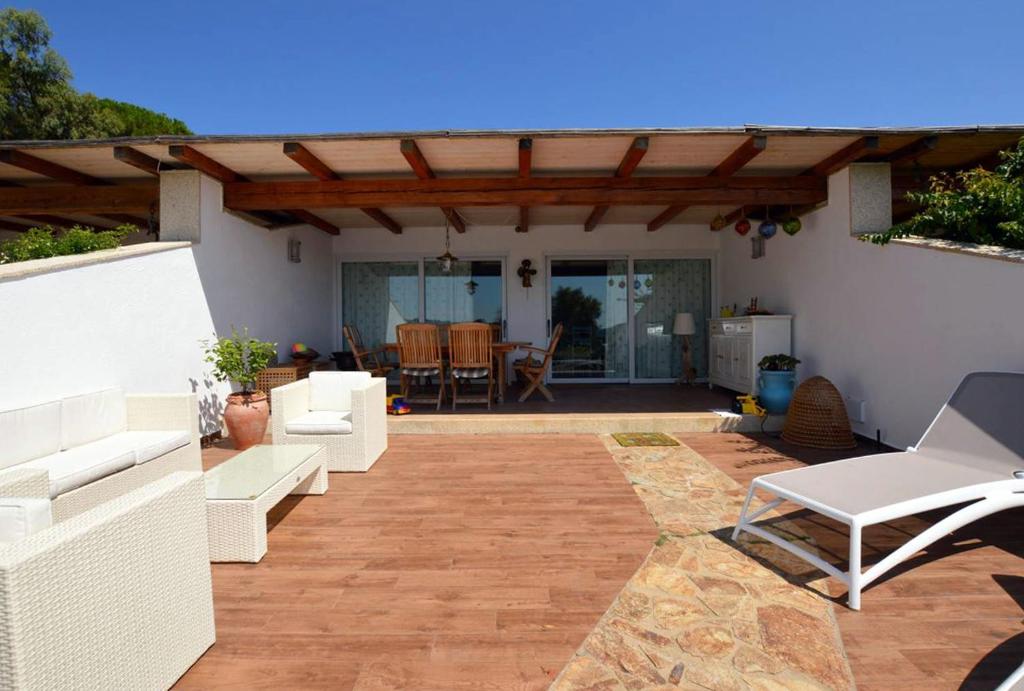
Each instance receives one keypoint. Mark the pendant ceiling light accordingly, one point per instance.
(447, 259)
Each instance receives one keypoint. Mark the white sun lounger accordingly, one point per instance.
(972, 452)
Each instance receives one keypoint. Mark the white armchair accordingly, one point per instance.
(118, 596)
(346, 412)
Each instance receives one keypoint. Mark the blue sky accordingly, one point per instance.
(226, 66)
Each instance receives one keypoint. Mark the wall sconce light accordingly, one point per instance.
(526, 272)
(756, 247)
(294, 251)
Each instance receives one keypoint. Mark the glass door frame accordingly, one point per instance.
(629, 257)
(422, 261)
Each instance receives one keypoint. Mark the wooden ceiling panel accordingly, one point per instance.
(598, 155)
(788, 155)
(473, 156)
(687, 154)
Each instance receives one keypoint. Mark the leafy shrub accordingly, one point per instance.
(40, 243)
(238, 358)
(978, 206)
(778, 363)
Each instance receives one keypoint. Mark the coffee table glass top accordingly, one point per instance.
(255, 470)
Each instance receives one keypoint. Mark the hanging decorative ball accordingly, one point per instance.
(718, 222)
(743, 226)
(767, 228)
(792, 226)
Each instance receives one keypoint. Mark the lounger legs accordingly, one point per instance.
(854, 574)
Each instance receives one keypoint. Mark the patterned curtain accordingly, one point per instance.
(662, 288)
(378, 296)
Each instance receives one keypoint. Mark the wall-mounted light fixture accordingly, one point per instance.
(294, 251)
(756, 247)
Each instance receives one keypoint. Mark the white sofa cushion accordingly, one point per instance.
(81, 465)
(28, 433)
(155, 443)
(333, 390)
(320, 422)
(23, 516)
(92, 416)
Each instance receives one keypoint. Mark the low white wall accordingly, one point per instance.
(133, 322)
(526, 307)
(895, 326)
(249, 281)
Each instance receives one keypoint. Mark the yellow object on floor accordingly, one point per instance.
(750, 406)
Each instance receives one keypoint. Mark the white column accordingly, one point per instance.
(870, 198)
(180, 205)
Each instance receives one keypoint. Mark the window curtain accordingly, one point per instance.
(662, 288)
(378, 296)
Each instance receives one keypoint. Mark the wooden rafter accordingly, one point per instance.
(317, 168)
(54, 171)
(732, 164)
(203, 163)
(137, 159)
(525, 171)
(15, 227)
(848, 154)
(79, 199)
(913, 150)
(630, 160)
(411, 151)
(534, 191)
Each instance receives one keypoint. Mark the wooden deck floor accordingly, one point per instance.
(951, 619)
(458, 562)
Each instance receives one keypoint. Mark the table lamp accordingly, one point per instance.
(684, 326)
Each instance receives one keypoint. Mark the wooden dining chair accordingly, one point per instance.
(470, 357)
(366, 360)
(419, 357)
(533, 369)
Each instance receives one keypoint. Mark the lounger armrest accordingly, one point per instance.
(369, 403)
(24, 482)
(287, 403)
(534, 349)
(164, 412)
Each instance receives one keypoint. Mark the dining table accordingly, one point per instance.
(501, 351)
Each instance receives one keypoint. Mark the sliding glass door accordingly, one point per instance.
(377, 296)
(588, 297)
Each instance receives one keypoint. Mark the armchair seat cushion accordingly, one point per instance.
(23, 516)
(470, 372)
(81, 465)
(320, 422)
(420, 371)
(151, 444)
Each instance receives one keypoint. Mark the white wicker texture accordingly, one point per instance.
(355, 452)
(156, 412)
(24, 482)
(117, 597)
(238, 527)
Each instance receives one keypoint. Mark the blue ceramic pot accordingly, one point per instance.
(775, 391)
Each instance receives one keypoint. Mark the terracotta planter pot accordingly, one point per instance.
(246, 417)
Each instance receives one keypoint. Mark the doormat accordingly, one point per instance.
(644, 439)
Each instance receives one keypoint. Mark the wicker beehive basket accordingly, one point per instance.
(817, 417)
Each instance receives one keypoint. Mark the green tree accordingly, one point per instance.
(978, 206)
(37, 100)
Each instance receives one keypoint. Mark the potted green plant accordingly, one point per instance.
(239, 359)
(776, 382)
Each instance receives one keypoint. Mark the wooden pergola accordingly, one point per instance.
(559, 177)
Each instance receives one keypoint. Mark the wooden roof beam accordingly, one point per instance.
(525, 166)
(317, 168)
(137, 159)
(514, 191)
(94, 201)
(848, 154)
(54, 171)
(913, 150)
(630, 160)
(732, 164)
(203, 163)
(423, 171)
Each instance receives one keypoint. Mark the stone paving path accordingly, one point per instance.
(700, 614)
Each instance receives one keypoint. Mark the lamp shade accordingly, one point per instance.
(683, 325)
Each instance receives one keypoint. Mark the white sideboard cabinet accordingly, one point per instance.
(739, 343)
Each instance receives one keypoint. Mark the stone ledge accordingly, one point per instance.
(35, 267)
(984, 251)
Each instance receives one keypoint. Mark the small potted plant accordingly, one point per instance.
(776, 382)
(240, 359)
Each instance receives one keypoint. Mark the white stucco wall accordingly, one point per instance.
(526, 307)
(249, 282)
(894, 326)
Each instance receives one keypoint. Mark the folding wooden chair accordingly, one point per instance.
(535, 370)
(470, 357)
(419, 356)
(366, 360)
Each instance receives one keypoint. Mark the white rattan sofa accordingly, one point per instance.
(116, 597)
(346, 412)
(83, 450)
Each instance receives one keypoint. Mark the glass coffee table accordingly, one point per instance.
(240, 492)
